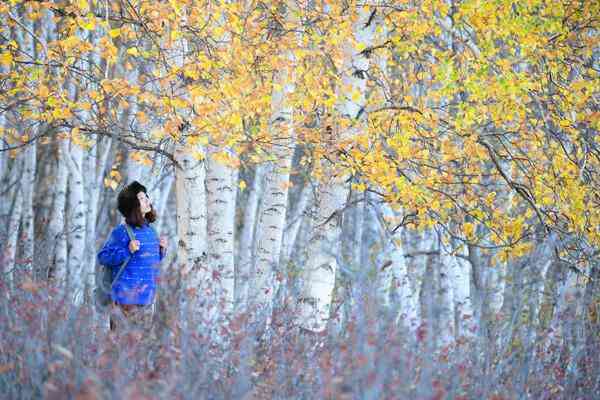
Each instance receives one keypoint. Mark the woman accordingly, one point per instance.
(134, 289)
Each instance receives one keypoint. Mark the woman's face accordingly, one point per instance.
(144, 203)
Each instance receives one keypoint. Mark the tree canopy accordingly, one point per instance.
(481, 115)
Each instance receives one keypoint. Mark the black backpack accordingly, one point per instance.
(104, 281)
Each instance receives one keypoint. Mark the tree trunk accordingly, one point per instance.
(78, 273)
(460, 279)
(401, 290)
(191, 217)
(57, 236)
(318, 275)
(417, 248)
(273, 208)
(319, 272)
(247, 240)
(445, 300)
(11, 263)
(290, 233)
(220, 200)
(29, 154)
(28, 214)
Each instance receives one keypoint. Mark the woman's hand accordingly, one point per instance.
(163, 244)
(134, 246)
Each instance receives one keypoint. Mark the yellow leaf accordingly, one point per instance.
(191, 72)
(113, 184)
(115, 174)
(175, 5)
(360, 187)
(132, 51)
(141, 116)
(146, 161)
(203, 140)
(114, 32)
(175, 34)
(89, 25)
(6, 59)
(157, 134)
(468, 229)
(236, 119)
(43, 91)
(85, 106)
(242, 185)
(83, 5)
(178, 103)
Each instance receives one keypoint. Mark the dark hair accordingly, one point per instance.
(129, 205)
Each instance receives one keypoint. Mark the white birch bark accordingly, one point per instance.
(15, 212)
(183, 200)
(358, 222)
(318, 275)
(247, 239)
(160, 198)
(30, 154)
(408, 297)
(43, 198)
(220, 201)
(401, 287)
(389, 255)
(135, 171)
(417, 252)
(273, 208)
(75, 217)
(460, 278)
(95, 161)
(320, 270)
(386, 251)
(538, 279)
(564, 312)
(495, 286)
(77, 275)
(57, 237)
(445, 300)
(191, 205)
(191, 216)
(291, 232)
(3, 154)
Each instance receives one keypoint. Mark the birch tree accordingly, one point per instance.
(246, 239)
(273, 208)
(76, 222)
(57, 234)
(15, 213)
(220, 201)
(191, 215)
(318, 275)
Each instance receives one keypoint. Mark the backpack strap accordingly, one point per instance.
(131, 237)
(129, 232)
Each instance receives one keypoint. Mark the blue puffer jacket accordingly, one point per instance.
(137, 283)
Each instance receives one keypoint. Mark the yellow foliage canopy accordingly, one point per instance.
(482, 116)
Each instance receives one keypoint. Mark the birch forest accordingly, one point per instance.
(361, 199)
